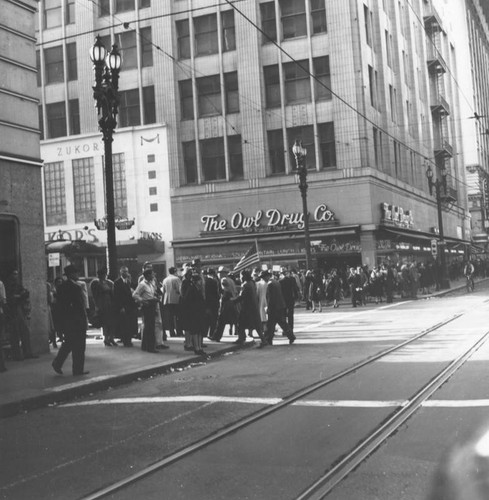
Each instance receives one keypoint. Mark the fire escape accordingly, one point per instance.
(440, 108)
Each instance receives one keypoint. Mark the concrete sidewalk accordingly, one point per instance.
(33, 384)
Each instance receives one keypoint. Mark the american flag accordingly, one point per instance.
(249, 258)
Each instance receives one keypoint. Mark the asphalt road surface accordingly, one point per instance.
(285, 422)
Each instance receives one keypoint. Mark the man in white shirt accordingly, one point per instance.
(145, 296)
(171, 301)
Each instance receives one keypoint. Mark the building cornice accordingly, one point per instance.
(38, 162)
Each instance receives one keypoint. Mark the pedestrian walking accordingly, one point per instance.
(126, 308)
(249, 316)
(186, 282)
(18, 315)
(212, 298)
(228, 314)
(73, 323)
(290, 293)
(194, 310)
(145, 296)
(276, 310)
(171, 289)
(103, 295)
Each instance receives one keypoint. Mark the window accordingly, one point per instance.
(323, 77)
(388, 48)
(151, 174)
(213, 160)
(143, 4)
(72, 68)
(151, 158)
(368, 18)
(228, 32)
(84, 190)
(74, 108)
(186, 99)
(268, 22)
(371, 84)
(56, 118)
(54, 64)
(54, 193)
(232, 94)
(318, 17)
(183, 39)
(104, 8)
(235, 157)
(124, 5)
(306, 135)
(190, 162)
(209, 95)
(376, 147)
(70, 12)
(52, 13)
(41, 123)
(128, 48)
(120, 191)
(293, 17)
(146, 47)
(392, 101)
(129, 108)
(297, 82)
(272, 85)
(153, 191)
(327, 147)
(38, 67)
(153, 207)
(276, 151)
(149, 104)
(205, 28)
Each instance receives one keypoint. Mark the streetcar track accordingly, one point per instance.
(344, 466)
(260, 414)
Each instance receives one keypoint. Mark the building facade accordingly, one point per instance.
(21, 215)
(367, 86)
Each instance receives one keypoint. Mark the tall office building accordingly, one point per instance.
(369, 88)
(21, 218)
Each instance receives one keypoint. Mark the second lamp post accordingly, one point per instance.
(300, 158)
(106, 95)
(438, 185)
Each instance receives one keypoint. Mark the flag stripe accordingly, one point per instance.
(249, 258)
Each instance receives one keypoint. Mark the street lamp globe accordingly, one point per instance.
(114, 59)
(298, 150)
(98, 52)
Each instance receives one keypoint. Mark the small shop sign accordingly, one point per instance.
(394, 215)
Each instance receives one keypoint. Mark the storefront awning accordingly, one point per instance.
(69, 247)
(407, 234)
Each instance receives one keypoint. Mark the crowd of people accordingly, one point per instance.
(196, 303)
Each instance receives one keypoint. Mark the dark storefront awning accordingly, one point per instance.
(70, 247)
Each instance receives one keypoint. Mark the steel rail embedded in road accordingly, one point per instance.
(324, 485)
(260, 414)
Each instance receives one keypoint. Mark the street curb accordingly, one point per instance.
(85, 389)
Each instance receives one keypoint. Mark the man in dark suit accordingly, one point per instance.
(125, 307)
(73, 323)
(275, 309)
(290, 292)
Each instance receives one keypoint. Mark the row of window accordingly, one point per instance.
(53, 10)
(83, 190)
(128, 42)
(293, 19)
(129, 113)
(216, 166)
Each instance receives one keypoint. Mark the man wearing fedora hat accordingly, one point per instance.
(73, 323)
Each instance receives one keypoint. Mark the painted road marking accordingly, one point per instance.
(469, 403)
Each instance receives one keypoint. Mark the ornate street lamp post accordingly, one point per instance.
(300, 159)
(438, 185)
(106, 95)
